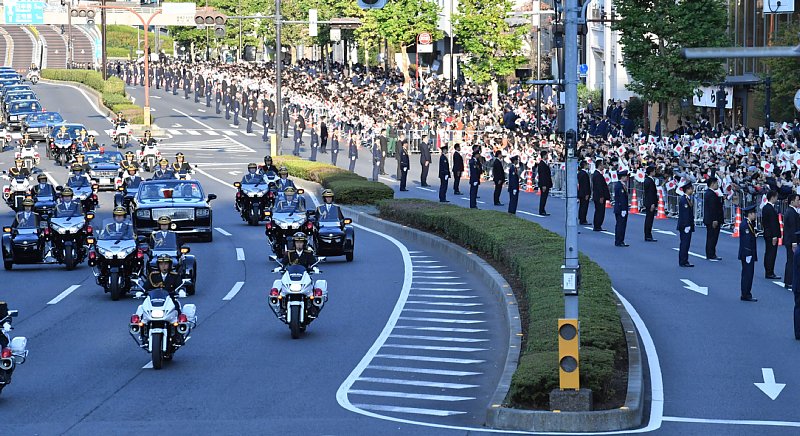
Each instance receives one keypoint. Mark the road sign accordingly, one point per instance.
(778, 7)
(797, 100)
(24, 12)
(424, 43)
(582, 70)
(708, 97)
(182, 13)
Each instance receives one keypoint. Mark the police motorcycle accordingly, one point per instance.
(29, 154)
(149, 155)
(334, 235)
(68, 232)
(294, 298)
(254, 197)
(26, 242)
(183, 263)
(44, 195)
(127, 191)
(16, 190)
(159, 327)
(83, 189)
(121, 134)
(13, 351)
(285, 219)
(33, 76)
(116, 256)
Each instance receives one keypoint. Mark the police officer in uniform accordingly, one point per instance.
(328, 211)
(352, 151)
(120, 226)
(405, 164)
(498, 176)
(685, 223)
(650, 203)
(66, 206)
(163, 172)
(297, 138)
(218, 97)
(424, 160)
(164, 237)
(314, 144)
(18, 170)
(376, 161)
(334, 146)
(584, 193)
(620, 208)
(300, 255)
(772, 231)
(251, 115)
(475, 169)
(284, 183)
(180, 166)
(268, 166)
(444, 174)
(129, 161)
(323, 135)
(458, 168)
(165, 278)
(26, 218)
(600, 194)
(513, 184)
(43, 191)
(748, 252)
(237, 106)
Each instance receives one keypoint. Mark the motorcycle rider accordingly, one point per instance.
(119, 120)
(328, 211)
(121, 226)
(66, 206)
(129, 161)
(300, 255)
(181, 166)
(163, 172)
(268, 166)
(132, 179)
(148, 137)
(18, 170)
(291, 201)
(164, 237)
(78, 179)
(80, 159)
(253, 176)
(25, 141)
(43, 190)
(284, 182)
(26, 218)
(164, 278)
(91, 144)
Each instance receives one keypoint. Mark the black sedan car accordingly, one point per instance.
(184, 201)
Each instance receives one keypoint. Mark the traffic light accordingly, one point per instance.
(208, 17)
(83, 13)
(568, 361)
(371, 4)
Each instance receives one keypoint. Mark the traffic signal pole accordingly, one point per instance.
(276, 141)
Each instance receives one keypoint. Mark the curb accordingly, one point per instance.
(98, 99)
(626, 417)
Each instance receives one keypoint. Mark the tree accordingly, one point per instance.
(785, 80)
(400, 21)
(653, 34)
(494, 48)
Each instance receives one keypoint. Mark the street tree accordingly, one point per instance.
(653, 32)
(785, 80)
(400, 21)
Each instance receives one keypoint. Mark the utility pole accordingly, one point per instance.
(103, 52)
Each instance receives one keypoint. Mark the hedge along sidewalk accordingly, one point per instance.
(349, 188)
(534, 255)
(112, 91)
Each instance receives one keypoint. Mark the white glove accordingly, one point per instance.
(446, 177)
(475, 184)
(687, 229)
(405, 169)
(748, 259)
(516, 191)
(181, 294)
(353, 157)
(624, 214)
(6, 327)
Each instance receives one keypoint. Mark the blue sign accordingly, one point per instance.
(24, 12)
(583, 69)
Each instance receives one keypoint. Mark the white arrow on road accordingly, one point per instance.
(664, 232)
(176, 125)
(234, 173)
(692, 286)
(769, 386)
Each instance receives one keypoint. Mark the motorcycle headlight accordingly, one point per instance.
(143, 213)
(202, 213)
(284, 225)
(127, 251)
(295, 287)
(156, 313)
(105, 252)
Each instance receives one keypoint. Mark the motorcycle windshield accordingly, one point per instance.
(69, 213)
(113, 232)
(289, 207)
(158, 297)
(295, 272)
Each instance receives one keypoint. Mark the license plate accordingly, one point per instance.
(105, 181)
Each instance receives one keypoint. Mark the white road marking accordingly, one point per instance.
(794, 424)
(430, 359)
(432, 348)
(442, 289)
(409, 410)
(429, 266)
(438, 338)
(421, 275)
(228, 184)
(193, 132)
(427, 384)
(85, 95)
(211, 133)
(691, 253)
(414, 396)
(388, 179)
(424, 370)
(442, 329)
(779, 283)
(442, 311)
(157, 97)
(439, 303)
(530, 213)
(221, 230)
(175, 132)
(443, 320)
(229, 132)
(692, 286)
(249, 134)
(64, 294)
(239, 253)
(234, 290)
(461, 297)
(149, 365)
(426, 189)
(768, 386)
(441, 283)
(201, 110)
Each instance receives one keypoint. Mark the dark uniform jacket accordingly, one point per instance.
(306, 258)
(475, 170)
(685, 215)
(747, 241)
(513, 178)
(156, 280)
(329, 213)
(31, 221)
(620, 198)
(444, 167)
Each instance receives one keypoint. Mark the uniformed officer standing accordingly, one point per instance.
(227, 100)
(237, 106)
(187, 83)
(265, 119)
(772, 231)
(748, 252)
(251, 115)
(209, 88)
(334, 145)
(584, 193)
(620, 208)
(513, 184)
(176, 81)
(650, 203)
(498, 176)
(713, 218)
(314, 143)
(405, 164)
(376, 160)
(218, 97)
(285, 120)
(168, 79)
(791, 224)
(424, 159)
(600, 194)
(323, 135)
(444, 174)
(685, 224)
(475, 170)
(383, 145)
(458, 168)
(297, 139)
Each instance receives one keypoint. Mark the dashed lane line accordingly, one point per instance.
(239, 253)
(234, 290)
(221, 230)
(64, 294)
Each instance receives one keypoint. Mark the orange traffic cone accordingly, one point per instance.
(634, 203)
(661, 215)
(780, 220)
(608, 204)
(737, 223)
(529, 183)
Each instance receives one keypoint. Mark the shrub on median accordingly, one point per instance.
(534, 255)
(111, 90)
(350, 188)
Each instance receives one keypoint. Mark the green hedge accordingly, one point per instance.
(112, 90)
(534, 255)
(350, 188)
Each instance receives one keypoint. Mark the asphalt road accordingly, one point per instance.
(711, 349)
(241, 373)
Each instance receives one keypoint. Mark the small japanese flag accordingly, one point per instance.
(614, 177)
(671, 185)
(640, 175)
(679, 148)
(763, 200)
(767, 166)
